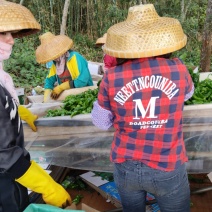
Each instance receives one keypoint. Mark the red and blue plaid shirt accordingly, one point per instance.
(146, 99)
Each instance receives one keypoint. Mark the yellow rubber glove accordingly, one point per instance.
(26, 115)
(47, 94)
(58, 89)
(39, 181)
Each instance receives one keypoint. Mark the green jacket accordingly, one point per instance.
(78, 68)
(47, 208)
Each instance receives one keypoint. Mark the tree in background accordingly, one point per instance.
(206, 51)
(65, 15)
(85, 21)
(184, 10)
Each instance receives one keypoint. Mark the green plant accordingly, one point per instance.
(202, 93)
(73, 183)
(105, 176)
(77, 199)
(76, 104)
(86, 46)
(22, 66)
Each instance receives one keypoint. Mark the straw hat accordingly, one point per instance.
(15, 17)
(144, 34)
(52, 47)
(101, 40)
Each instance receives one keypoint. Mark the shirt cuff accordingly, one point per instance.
(19, 168)
(190, 94)
(71, 83)
(101, 117)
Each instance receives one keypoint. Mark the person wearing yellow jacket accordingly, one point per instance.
(67, 68)
(17, 171)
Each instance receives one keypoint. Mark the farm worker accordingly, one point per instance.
(17, 172)
(7, 82)
(108, 60)
(143, 98)
(67, 68)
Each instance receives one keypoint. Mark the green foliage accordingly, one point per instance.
(73, 183)
(77, 199)
(105, 14)
(194, 76)
(86, 46)
(190, 55)
(76, 104)
(22, 66)
(102, 14)
(105, 176)
(113, 16)
(202, 93)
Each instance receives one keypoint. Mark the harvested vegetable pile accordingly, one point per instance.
(83, 103)
(202, 93)
(76, 104)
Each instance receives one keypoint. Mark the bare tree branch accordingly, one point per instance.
(184, 9)
(21, 2)
(64, 19)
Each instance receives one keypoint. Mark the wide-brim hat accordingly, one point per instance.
(52, 47)
(15, 17)
(101, 40)
(144, 34)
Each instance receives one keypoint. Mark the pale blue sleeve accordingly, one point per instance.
(101, 117)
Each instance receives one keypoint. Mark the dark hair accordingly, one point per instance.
(121, 61)
(99, 45)
(166, 56)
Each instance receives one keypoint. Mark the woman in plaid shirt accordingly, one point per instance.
(143, 99)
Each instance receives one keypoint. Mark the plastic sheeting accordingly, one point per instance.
(77, 143)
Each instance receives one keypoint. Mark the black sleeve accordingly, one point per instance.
(13, 156)
(19, 168)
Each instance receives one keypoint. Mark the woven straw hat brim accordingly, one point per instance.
(15, 17)
(102, 40)
(144, 38)
(52, 48)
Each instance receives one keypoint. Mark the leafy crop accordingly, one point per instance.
(76, 104)
(23, 68)
(202, 93)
